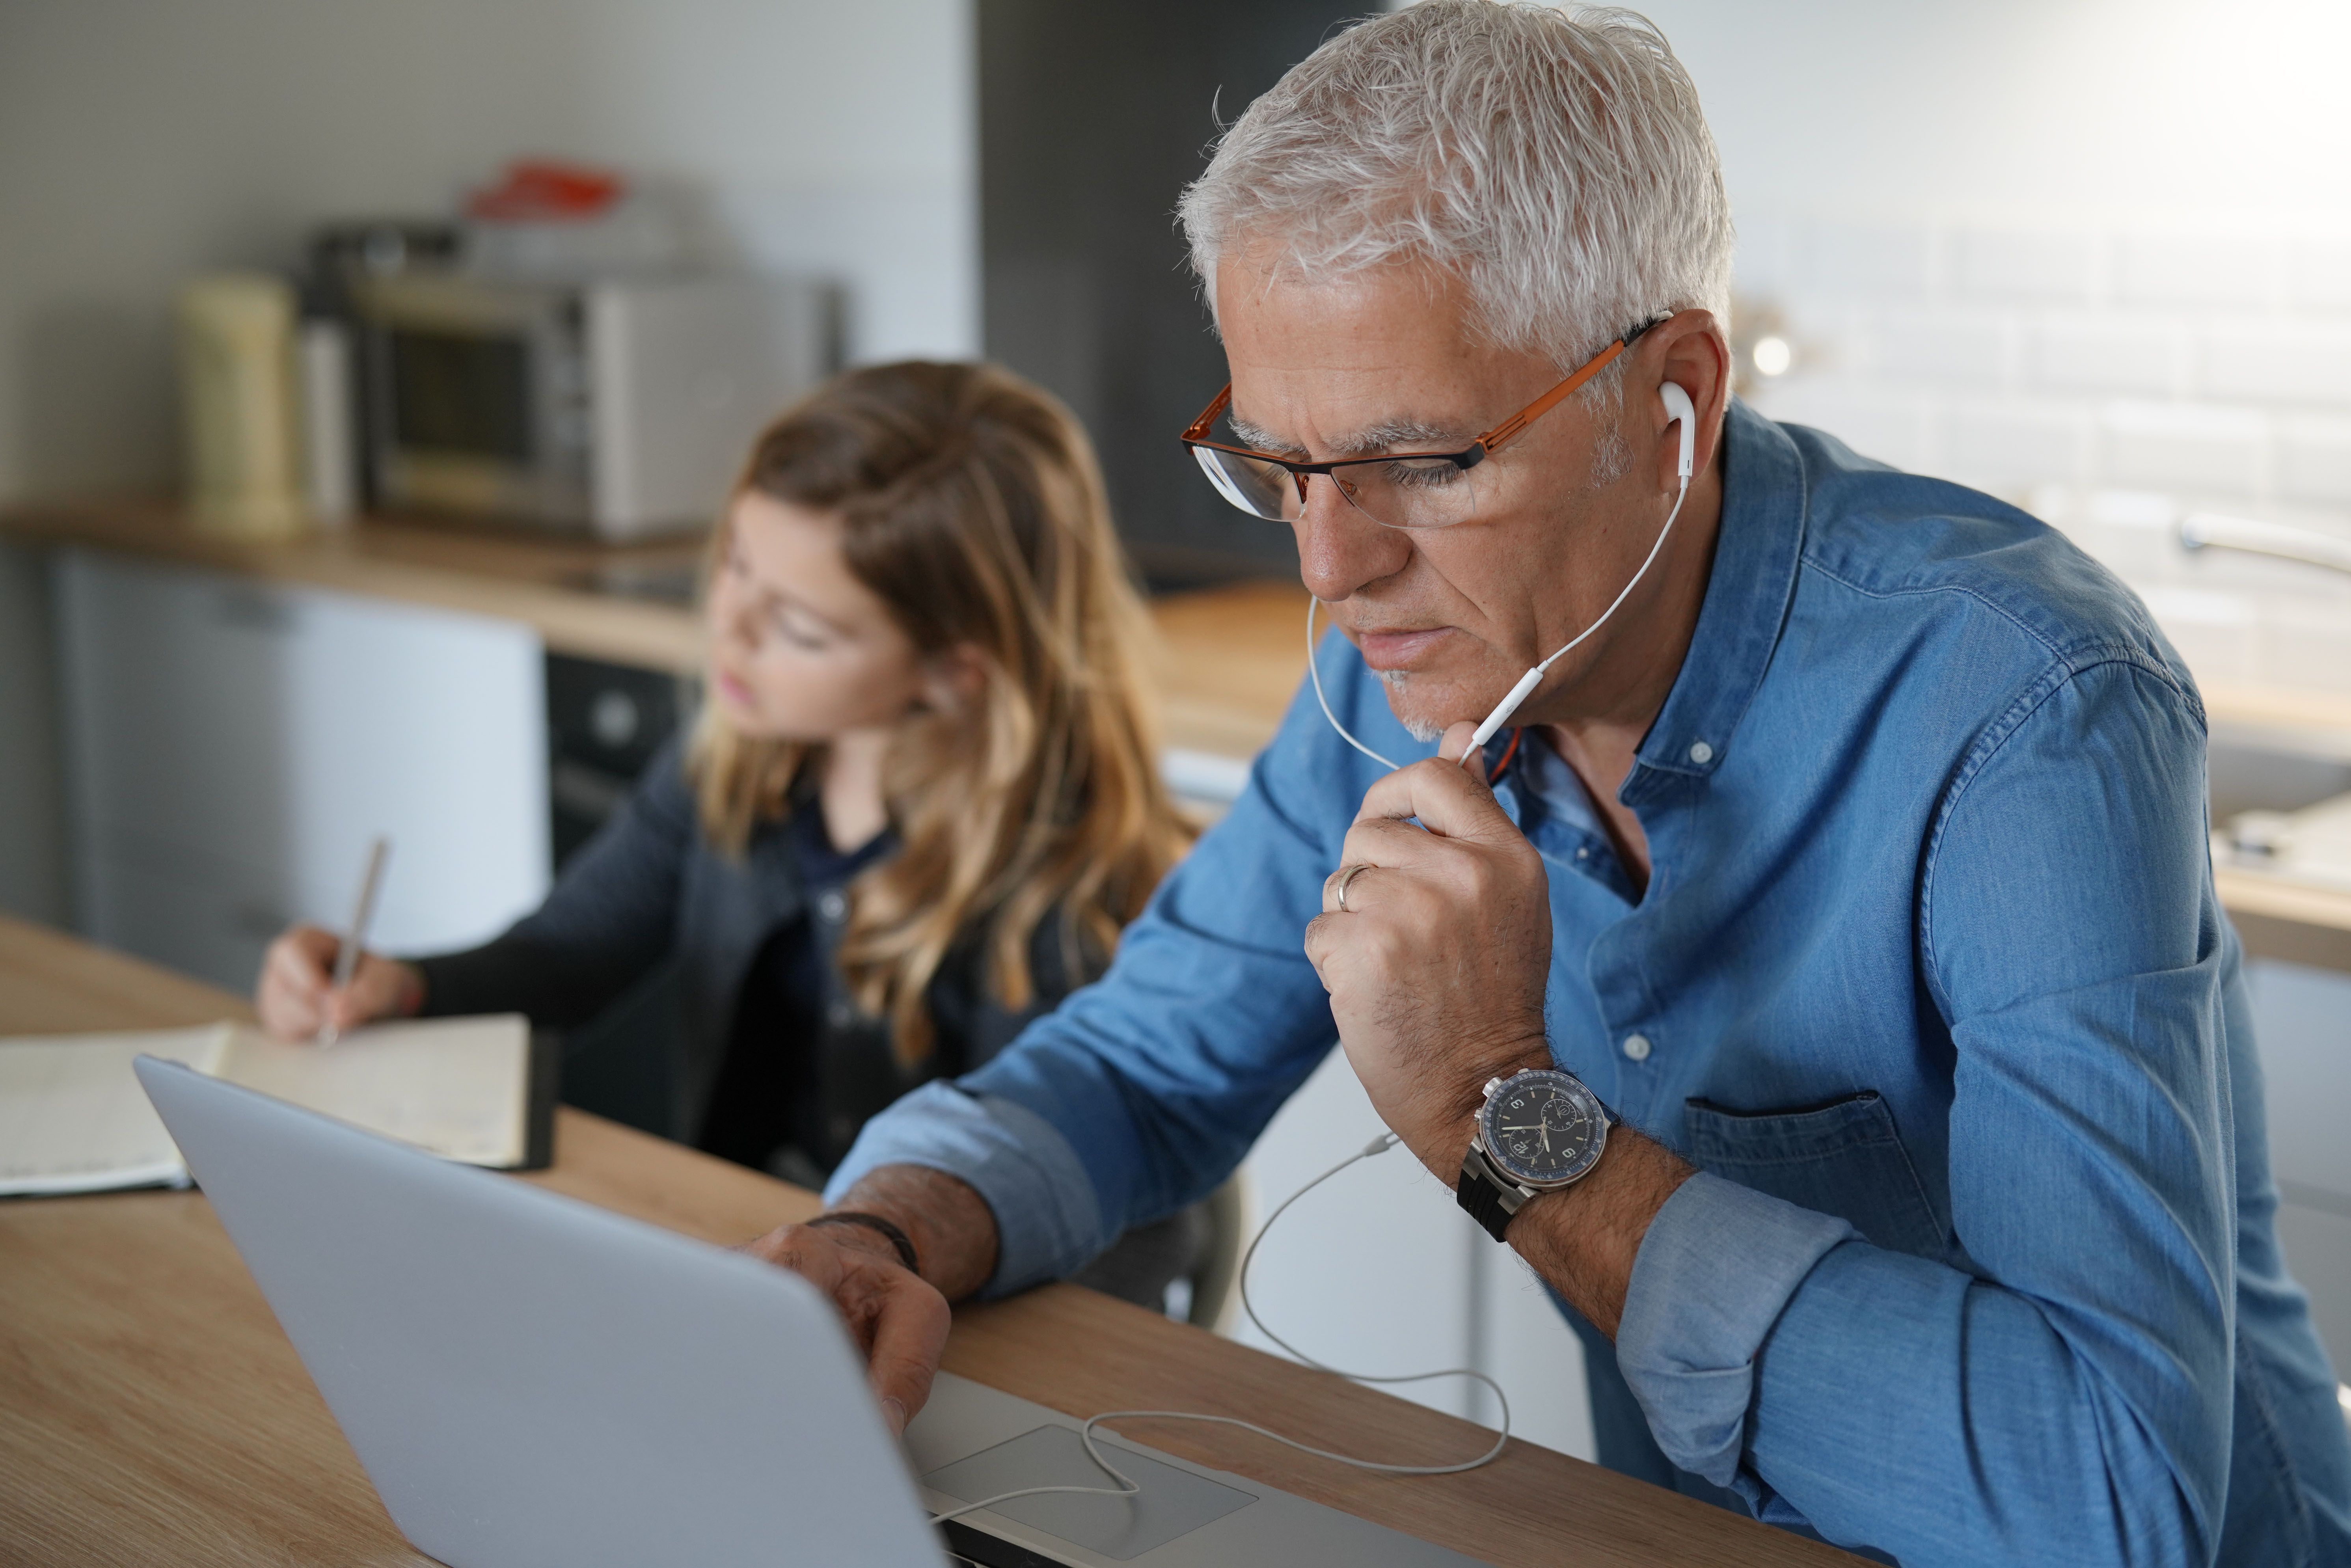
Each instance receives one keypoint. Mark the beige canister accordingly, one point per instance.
(239, 386)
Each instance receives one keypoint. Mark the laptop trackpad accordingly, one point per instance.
(1173, 1503)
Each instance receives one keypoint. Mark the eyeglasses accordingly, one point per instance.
(1397, 489)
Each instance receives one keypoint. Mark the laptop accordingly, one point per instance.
(530, 1382)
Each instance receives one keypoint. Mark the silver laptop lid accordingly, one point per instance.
(532, 1381)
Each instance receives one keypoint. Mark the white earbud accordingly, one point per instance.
(1678, 411)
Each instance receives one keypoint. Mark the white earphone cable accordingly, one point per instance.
(1533, 678)
(1314, 668)
(1129, 1487)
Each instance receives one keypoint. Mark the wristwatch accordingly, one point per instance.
(1538, 1131)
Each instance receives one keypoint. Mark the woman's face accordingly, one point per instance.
(800, 649)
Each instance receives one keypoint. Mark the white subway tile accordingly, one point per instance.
(2191, 447)
(2304, 363)
(2009, 264)
(1830, 330)
(1765, 265)
(1882, 422)
(2013, 443)
(1948, 349)
(2318, 273)
(2309, 644)
(2314, 460)
(1884, 259)
(2138, 355)
(2196, 269)
(2217, 633)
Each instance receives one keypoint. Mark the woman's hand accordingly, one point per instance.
(897, 1318)
(296, 995)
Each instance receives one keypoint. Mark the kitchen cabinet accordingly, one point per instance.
(233, 744)
(2304, 1027)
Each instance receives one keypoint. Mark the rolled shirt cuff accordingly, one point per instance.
(1714, 1272)
(1047, 1222)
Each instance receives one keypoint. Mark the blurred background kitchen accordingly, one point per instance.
(2093, 256)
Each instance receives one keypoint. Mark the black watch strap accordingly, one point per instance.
(898, 1239)
(1480, 1192)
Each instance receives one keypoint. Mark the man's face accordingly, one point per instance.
(1449, 617)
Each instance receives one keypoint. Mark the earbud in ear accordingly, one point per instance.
(1678, 411)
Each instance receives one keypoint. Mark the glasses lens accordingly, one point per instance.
(1413, 492)
(1399, 492)
(1259, 489)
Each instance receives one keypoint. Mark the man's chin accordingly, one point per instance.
(1422, 710)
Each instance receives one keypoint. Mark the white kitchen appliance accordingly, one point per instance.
(621, 408)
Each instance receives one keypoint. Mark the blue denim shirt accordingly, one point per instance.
(1928, 979)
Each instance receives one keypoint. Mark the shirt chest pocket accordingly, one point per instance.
(1843, 1158)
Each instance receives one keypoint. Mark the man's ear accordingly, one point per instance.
(1692, 351)
(953, 678)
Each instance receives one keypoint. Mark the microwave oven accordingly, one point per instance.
(618, 408)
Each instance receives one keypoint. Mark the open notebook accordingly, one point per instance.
(74, 1119)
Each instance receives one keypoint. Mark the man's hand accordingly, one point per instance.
(1437, 962)
(899, 1319)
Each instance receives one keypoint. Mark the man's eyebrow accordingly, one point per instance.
(1389, 436)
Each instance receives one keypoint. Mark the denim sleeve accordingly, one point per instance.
(1142, 1091)
(2070, 1398)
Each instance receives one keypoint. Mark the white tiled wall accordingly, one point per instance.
(2212, 368)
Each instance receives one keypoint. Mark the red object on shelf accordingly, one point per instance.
(538, 190)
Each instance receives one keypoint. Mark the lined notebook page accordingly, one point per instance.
(457, 1087)
(74, 1119)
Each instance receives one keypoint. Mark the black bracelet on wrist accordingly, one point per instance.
(880, 1227)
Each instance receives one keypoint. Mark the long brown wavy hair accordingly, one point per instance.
(970, 503)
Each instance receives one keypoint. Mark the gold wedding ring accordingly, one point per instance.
(1352, 873)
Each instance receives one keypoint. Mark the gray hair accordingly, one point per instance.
(1556, 162)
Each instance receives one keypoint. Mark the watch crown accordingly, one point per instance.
(1492, 1085)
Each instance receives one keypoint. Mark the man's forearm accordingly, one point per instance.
(951, 1225)
(1583, 1241)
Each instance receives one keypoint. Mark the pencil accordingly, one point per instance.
(347, 957)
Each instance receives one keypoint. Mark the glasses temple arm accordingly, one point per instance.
(1502, 435)
(1198, 429)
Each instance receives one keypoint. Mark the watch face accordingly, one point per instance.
(1543, 1128)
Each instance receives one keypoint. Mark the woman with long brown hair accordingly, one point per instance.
(918, 806)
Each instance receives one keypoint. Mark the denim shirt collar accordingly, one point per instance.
(1747, 598)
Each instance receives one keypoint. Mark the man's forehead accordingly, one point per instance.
(1349, 364)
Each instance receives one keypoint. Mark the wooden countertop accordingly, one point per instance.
(1230, 657)
(152, 1411)
(547, 584)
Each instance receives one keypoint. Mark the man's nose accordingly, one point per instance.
(1340, 550)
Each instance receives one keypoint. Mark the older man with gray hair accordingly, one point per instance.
(1809, 963)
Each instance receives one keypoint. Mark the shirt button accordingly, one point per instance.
(841, 1016)
(1637, 1048)
(1701, 753)
(1584, 854)
(831, 905)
